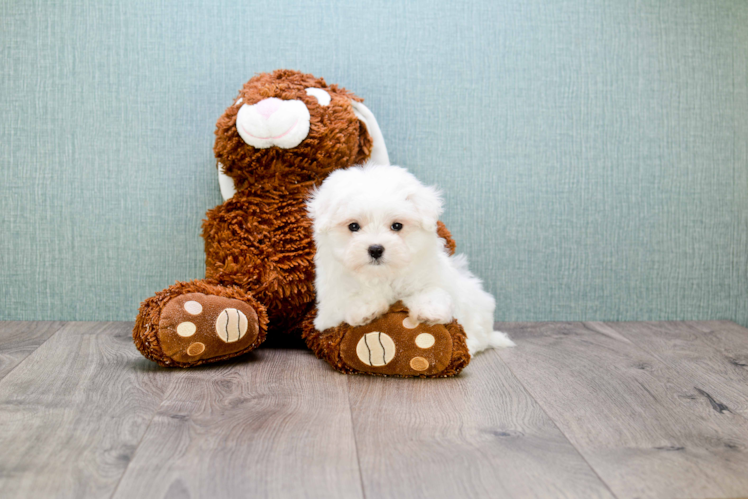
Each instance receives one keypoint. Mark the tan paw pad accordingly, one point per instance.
(193, 307)
(375, 349)
(196, 349)
(409, 323)
(425, 340)
(231, 325)
(186, 329)
(419, 364)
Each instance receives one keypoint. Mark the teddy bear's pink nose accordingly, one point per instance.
(267, 107)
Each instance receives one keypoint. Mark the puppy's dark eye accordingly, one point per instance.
(353, 226)
(396, 226)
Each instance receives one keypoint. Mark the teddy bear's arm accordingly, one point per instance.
(444, 234)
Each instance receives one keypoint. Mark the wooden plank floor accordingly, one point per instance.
(575, 410)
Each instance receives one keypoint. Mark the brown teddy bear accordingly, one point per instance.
(285, 132)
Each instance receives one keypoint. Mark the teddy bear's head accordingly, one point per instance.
(292, 127)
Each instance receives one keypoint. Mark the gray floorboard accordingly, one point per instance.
(640, 424)
(576, 409)
(74, 411)
(18, 339)
(477, 435)
(713, 372)
(276, 424)
(731, 340)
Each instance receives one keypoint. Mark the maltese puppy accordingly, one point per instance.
(375, 233)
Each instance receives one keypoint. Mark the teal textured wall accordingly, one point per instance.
(593, 154)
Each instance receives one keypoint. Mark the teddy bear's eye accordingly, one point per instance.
(396, 226)
(322, 96)
(353, 227)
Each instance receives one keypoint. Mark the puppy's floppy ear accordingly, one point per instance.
(378, 154)
(318, 208)
(427, 202)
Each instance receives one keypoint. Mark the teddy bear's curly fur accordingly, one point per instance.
(258, 244)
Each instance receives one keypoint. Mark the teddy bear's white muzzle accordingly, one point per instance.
(273, 122)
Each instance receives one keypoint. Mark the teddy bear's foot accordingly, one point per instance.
(392, 345)
(196, 322)
(195, 326)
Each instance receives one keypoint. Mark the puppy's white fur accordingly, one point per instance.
(415, 267)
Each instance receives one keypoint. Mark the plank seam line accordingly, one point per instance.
(355, 442)
(581, 455)
(63, 325)
(140, 441)
(145, 433)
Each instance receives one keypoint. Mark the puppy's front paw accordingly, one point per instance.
(431, 316)
(361, 313)
(434, 307)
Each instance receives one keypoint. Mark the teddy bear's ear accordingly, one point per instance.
(379, 154)
(226, 183)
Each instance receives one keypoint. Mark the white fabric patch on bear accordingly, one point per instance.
(281, 123)
(322, 96)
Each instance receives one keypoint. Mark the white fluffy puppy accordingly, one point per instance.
(376, 237)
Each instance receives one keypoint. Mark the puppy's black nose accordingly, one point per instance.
(376, 251)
